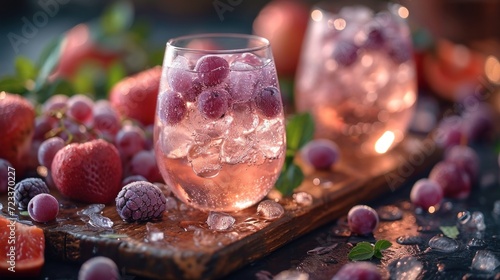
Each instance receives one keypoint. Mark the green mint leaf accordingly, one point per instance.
(118, 17)
(290, 178)
(25, 68)
(450, 231)
(380, 246)
(47, 65)
(115, 73)
(12, 85)
(362, 251)
(299, 131)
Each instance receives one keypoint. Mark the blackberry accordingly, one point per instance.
(26, 189)
(140, 201)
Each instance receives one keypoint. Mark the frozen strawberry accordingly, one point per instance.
(17, 122)
(135, 97)
(90, 172)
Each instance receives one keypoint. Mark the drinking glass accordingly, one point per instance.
(357, 76)
(219, 129)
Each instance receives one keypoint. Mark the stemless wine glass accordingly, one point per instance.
(357, 75)
(219, 130)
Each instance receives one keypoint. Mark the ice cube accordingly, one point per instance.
(270, 137)
(100, 221)
(153, 233)
(496, 208)
(443, 244)
(214, 128)
(205, 158)
(485, 261)
(91, 209)
(235, 150)
(270, 209)
(303, 198)
(220, 221)
(171, 203)
(242, 80)
(407, 268)
(245, 120)
(175, 141)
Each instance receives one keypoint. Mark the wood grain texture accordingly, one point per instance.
(189, 250)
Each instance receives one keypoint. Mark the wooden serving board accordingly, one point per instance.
(189, 250)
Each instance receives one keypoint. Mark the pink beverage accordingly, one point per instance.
(219, 131)
(357, 76)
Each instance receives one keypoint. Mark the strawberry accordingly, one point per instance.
(135, 96)
(89, 172)
(17, 122)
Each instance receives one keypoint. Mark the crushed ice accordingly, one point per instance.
(443, 244)
(485, 261)
(220, 221)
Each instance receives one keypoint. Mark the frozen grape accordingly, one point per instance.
(478, 122)
(426, 193)
(140, 201)
(212, 70)
(80, 107)
(191, 94)
(454, 181)
(362, 219)
(106, 118)
(358, 271)
(144, 163)
(43, 124)
(213, 103)
(55, 103)
(268, 102)
(321, 153)
(345, 53)
(98, 268)
(48, 150)
(172, 107)
(179, 77)
(130, 140)
(449, 132)
(5, 167)
(43, 208)
(374, 39)
(466, 158)
(28, 188)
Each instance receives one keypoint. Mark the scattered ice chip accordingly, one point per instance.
(220, 221)
(153, 233)
(478, 220)
(91, 209)
(407, 268)
(474, 221)
(270, 209)
(100, 221)
(485, 261)
(203, 238)
(476, 243)
(443, 244)
(291, 275)
(496, 208)
(409, 240)
(303, 198)
(322, 250)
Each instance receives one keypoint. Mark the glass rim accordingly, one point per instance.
(250, 37)
(332, 8)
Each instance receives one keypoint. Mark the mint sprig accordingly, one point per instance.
(365, 250)
(299, 131)
(450, 231)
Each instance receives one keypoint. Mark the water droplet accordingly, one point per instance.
(443, 244)
(463, 217)
(153, 233)
(220, 221)
(303, 198)
(270, 209)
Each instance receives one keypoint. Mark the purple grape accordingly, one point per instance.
(130, 140)
(179, 76)
(362, 219)
(213, 103)
(191, 94)
(321, 153)
(80, 108)
(144, 163)
(466, 158)
(454, 181)
(358, 271)
(374, 39)
(106, 119)
(55, 103)
(268, 102)
(478, 123)
(449, 132)
(98, 268)
(132, 178)
(212, 70)
(345, 53)
(426, 193)
(172, 107)
(28, 188)
(48, 150)
(140, 201)
(43, 208)
(43, 124)
(4, 175)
